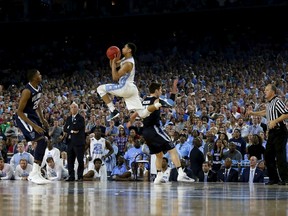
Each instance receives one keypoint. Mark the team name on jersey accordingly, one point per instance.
(145, 102)
(35, 100)
(36, 97)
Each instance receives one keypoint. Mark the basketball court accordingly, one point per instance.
(142, 198)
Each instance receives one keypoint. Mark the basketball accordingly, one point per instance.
(112, 52)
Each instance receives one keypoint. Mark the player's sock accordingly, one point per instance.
(111, 106)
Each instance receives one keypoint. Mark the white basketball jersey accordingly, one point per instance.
(128, 77)
(97, 147)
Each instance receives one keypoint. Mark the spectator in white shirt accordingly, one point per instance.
(6, 170)
(51, 151)
(55, 171)
(166, 170)
(23, 170)
(15, 160)
(99, 172)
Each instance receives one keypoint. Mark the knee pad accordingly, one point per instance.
(101, 90)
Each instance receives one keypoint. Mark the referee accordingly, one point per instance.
(275, 156)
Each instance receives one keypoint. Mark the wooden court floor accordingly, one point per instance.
(142, 198)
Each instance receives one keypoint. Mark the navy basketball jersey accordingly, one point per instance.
(154, 117)
(33, 102)
(30, 112)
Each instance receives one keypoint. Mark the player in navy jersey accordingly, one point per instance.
(30, 120)
(156, 138)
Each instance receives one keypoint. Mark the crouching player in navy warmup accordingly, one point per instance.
(30, 120)
(156, 138)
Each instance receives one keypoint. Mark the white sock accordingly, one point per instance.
(111, 106)
(180, 171)
(35, 167)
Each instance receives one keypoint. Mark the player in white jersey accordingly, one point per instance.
(98, 145)
(125, 87)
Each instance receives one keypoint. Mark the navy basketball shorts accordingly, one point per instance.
(157, 139)
(29, 133)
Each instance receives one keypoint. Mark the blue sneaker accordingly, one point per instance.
(166, 102)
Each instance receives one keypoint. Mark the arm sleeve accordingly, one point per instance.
(172, 96)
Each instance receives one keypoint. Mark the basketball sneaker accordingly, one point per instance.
(166, 102)
(37, 178)
(182, 177)
(113, 115)
(159, 178)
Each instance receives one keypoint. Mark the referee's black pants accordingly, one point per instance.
(275, 155)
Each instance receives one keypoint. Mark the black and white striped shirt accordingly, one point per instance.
(274, 109)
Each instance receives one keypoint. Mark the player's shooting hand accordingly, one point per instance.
(118, 56)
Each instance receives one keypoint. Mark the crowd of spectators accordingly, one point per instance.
(220, 78)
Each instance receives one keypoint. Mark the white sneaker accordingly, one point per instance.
(184, 178)
(159, 178)
(44, 179)
(37, 178)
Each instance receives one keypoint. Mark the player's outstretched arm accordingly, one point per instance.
(132, 119)
(174, 89)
